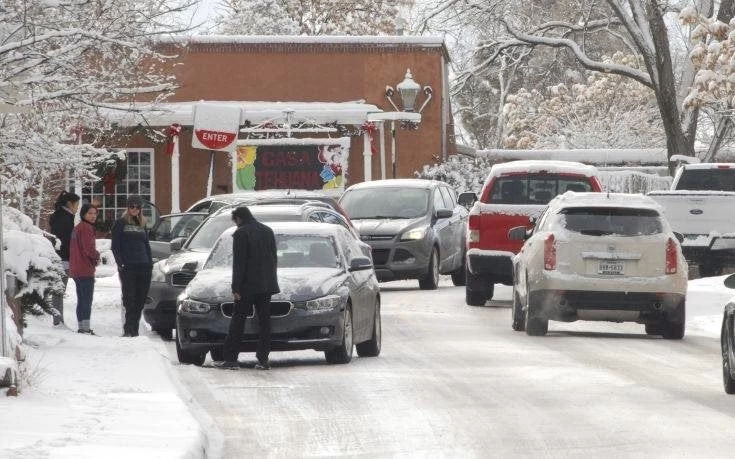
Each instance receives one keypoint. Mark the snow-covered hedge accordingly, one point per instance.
(468, 174)
(31, 258)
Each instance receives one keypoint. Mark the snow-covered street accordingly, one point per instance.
(454, 380)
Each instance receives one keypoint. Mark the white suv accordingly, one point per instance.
(600, 256)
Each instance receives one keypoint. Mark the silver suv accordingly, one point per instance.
(415, 228)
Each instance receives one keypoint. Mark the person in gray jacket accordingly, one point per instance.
(134, 262)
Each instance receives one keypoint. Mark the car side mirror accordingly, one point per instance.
(360, 264)
(467, 199)
(519, 233)
(177, 243)
(730, 281)
(444, 213)
(679, 237)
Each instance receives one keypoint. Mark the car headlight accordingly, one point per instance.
(194, 307)
(414, 234)
(158, 274)
(325, 302)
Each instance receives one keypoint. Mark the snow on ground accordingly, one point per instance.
(97, 396)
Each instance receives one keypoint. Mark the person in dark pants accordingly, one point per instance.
(61, 224)
(83, 258)
(254, 280)
(134, 262)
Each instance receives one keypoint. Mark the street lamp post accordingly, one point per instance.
(408, 89)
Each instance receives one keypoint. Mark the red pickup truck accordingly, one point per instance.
(514, 194)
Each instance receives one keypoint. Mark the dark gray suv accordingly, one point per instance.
(415, 228)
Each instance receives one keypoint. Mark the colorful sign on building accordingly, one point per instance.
(304, 164)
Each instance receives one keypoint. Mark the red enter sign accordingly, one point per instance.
(215, 140)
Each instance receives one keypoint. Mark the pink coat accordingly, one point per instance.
(83, 254)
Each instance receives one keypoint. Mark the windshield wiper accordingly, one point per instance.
(594, 232)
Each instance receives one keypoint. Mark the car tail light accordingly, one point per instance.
(473, 229)
(671, 257)
(550, 252)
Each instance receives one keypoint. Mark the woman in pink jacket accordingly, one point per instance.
(83, 257)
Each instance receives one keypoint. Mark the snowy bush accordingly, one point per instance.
(468, 174)
(31, 259)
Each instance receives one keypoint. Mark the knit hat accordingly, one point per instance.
(135, 200)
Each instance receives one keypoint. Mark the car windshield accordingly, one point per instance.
(213, 228)
(386, 202)
(294, 251)
(601, 221)
(535, 189)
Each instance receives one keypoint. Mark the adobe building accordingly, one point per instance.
(329, 91)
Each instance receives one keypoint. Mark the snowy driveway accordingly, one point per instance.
(455, 380)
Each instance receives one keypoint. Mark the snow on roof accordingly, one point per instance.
(404, 183)
(574, 199)
(165, 114)
(709, 166)
(597, 156)
(424, 41)
(568, 167)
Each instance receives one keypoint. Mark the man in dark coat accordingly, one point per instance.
(254, 280)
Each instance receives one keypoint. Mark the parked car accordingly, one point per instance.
(170, 227)
(699, 206)
(213, 203)
(415, 227)
(170, 276)
(727, 340)
(513, 192)
(329, 300)
(600, 256)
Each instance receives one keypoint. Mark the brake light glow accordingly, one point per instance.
(550, 252)
(671, 257)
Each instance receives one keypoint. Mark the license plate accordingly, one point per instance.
(611, 268)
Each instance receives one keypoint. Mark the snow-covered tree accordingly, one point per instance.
(310, 17)
(605, 111)
(647, 28)
(60, 63)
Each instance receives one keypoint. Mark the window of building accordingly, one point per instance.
(112, 199)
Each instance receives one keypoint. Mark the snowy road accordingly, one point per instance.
(455, 380)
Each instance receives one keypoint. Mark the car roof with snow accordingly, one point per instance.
(397, 183)
(541, 166)
(303, 228)
(575, 199)
(709, 166)
(254, 196)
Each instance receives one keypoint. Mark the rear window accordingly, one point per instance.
(707, 180)
(601, 221)
(534, 189)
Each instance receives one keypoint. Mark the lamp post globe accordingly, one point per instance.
(408, 89)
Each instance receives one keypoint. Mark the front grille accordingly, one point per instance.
(379, 237)
(380, 256)
(278, 309)
(182, 278)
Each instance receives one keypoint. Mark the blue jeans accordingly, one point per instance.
(85, 290)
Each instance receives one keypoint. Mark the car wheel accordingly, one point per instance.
(189, 357)
(654, 329)
(371, 347)
(459, 275)
(519, 322)
(725, 340)
(165, 333)
(536, 324)
(343, 352)
(431, 280)
(217, 354)
(674, 327)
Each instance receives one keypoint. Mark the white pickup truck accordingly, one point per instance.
(701, 206)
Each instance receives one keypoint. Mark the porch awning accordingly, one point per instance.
(165, 114)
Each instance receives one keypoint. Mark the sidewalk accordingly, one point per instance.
(96, 396)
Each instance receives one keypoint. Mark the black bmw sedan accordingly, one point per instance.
(329, 300)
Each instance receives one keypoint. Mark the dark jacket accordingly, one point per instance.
(254, 260)
(130, 245)
(83, 254)
(61, 224)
